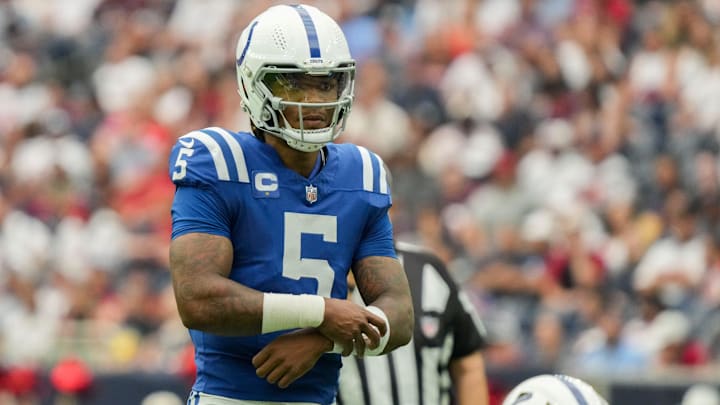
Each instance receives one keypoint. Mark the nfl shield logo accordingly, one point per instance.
(311, 193)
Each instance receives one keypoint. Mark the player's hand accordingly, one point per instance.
(290, 356)
(351, 326)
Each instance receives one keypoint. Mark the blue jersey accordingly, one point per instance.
(290, 234)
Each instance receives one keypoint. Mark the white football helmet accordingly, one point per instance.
(290, 40)
(558, 389)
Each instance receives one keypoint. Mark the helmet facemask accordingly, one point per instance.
(306, 108)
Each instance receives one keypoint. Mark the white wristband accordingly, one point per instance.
(337, 348)
(290, 311)
(384, 338)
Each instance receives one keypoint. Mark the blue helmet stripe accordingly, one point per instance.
(310, 30)
(247, 44)
(575, 391)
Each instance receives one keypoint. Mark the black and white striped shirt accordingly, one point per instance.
(446, 328)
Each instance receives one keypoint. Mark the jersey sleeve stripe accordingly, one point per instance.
(383, 176)
(215, 151)
(237, 153)
(367, 169)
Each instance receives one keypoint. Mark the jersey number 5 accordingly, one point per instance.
(297, 267)
(181, 163)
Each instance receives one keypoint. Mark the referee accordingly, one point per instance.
(442, 364)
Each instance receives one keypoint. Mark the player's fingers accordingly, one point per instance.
(359, 342)
(266, 367)
(276, 374)
(378, 322)
(261, 357)
(286, 380)
(372, 335)
(291, 376)
(348, 348)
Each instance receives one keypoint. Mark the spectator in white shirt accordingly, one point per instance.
(675, 264)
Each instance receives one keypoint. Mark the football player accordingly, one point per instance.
(266, 225)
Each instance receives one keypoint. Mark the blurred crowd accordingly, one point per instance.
(561, 155)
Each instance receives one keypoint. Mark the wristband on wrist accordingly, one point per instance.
(291, 311)
(337, 348)
(384, 338)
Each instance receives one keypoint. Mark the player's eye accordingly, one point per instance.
(286, 82)
(327, 85)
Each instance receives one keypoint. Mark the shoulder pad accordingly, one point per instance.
(365, 169)
(207, 156)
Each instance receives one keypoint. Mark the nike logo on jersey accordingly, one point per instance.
(187, 143)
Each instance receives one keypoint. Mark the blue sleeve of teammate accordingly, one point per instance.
(199, 209)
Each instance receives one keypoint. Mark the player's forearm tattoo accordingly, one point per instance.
(206, 253)
(382, 282)
(200, 264)
(373, 275)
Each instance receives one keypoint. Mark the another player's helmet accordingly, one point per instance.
(288, 40)
(555, 389)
